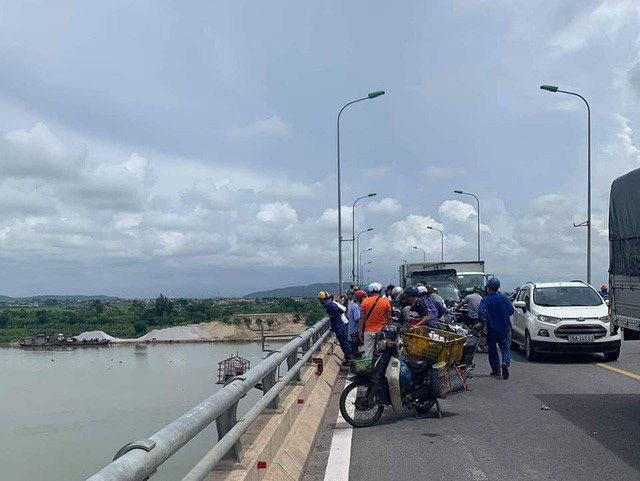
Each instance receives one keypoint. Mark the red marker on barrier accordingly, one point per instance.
(262, 465)
(300, 401)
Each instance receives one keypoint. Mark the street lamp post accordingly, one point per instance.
(372, 95)
(554, 89)
(360, 262)
(353, 235)
(368, 270)
(358, 250)
(478, 202)
(441, 243)
(424, 253)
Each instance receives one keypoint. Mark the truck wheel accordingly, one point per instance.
(529, 353)
(612, 356)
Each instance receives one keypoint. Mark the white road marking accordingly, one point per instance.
(470, 464)
(340, 452)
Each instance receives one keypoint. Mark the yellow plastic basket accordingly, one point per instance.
(418, 343)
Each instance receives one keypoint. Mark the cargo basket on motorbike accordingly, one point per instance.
(433, 344)
(448, 380)
(363, 365)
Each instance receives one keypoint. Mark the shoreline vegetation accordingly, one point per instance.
(172, 320)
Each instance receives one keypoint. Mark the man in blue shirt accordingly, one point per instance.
(495, 311)
(354, 318)
(334, 311)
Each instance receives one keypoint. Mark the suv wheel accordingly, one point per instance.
(530, 354)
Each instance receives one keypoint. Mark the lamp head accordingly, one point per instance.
(458, 192)
(373, 194)
(375, 94)
(549, 88)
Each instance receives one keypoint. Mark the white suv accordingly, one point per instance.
(563, 317)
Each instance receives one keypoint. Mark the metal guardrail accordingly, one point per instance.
(138, 461)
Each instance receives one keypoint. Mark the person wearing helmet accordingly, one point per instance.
(396, 291)
(426, 311)
(472, 302)
(388, 291)
(375, 313)
(495, 313)
(354, 320)
(604, 291)
(334, 311)
(433, 294)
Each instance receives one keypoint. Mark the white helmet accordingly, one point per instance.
(422, 290)
(375, 287)
(396, 291)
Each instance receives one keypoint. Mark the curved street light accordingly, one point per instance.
(587, 223)
(360, 262)
(424, 253)
(369, 96)
(478, 202)
(353, 235)
(441, 242)
(358, 249)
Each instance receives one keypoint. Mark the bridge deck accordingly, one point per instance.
(498, 431)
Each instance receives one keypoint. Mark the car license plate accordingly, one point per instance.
(582, 338)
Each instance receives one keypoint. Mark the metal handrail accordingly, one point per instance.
(138, 461)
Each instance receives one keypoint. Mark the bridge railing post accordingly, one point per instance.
(267, 383)
(224, 423)
(292, 359)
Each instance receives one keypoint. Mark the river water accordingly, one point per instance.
(64, 414)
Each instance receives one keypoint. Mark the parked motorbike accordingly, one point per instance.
(392, 382)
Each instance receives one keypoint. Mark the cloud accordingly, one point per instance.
(38, 154)
(387, 207)
(441, 172)
(274, 126)
(456, 210)
(277, 213)
(607, 19)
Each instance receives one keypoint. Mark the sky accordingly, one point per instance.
(155, 146)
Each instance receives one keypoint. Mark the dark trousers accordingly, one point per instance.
(355, 346)
(499, 339)
(341, 333)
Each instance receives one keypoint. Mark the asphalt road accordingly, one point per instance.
(498, 430)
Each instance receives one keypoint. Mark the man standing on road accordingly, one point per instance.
(334, 311)
(354, 321)
(604, 292)
(495, 311)
(375, 313)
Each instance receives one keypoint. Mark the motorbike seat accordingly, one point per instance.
(416, 363)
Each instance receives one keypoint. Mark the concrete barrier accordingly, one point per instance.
(277, 445)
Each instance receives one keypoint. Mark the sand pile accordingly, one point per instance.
(178, 333)
(86, 336)
(220, 330)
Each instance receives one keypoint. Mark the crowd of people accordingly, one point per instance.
(358, 316)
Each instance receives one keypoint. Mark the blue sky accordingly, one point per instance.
(154, 147)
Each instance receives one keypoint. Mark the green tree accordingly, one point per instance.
(4, 318)
(259, 322)
(139, 327)
(270, 321)
(42, 317)
(247, 322)
(313, 317)
(163, 306)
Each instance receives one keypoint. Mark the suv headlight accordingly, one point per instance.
(604, 319)
(549, 319)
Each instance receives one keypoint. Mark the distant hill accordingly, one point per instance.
(299, 291)
(59, 298)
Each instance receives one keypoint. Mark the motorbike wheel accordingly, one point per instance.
(354, 406)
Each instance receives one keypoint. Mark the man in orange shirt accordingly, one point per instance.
(375, 313)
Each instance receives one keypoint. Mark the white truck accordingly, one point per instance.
(624, 254)
(469, 274)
